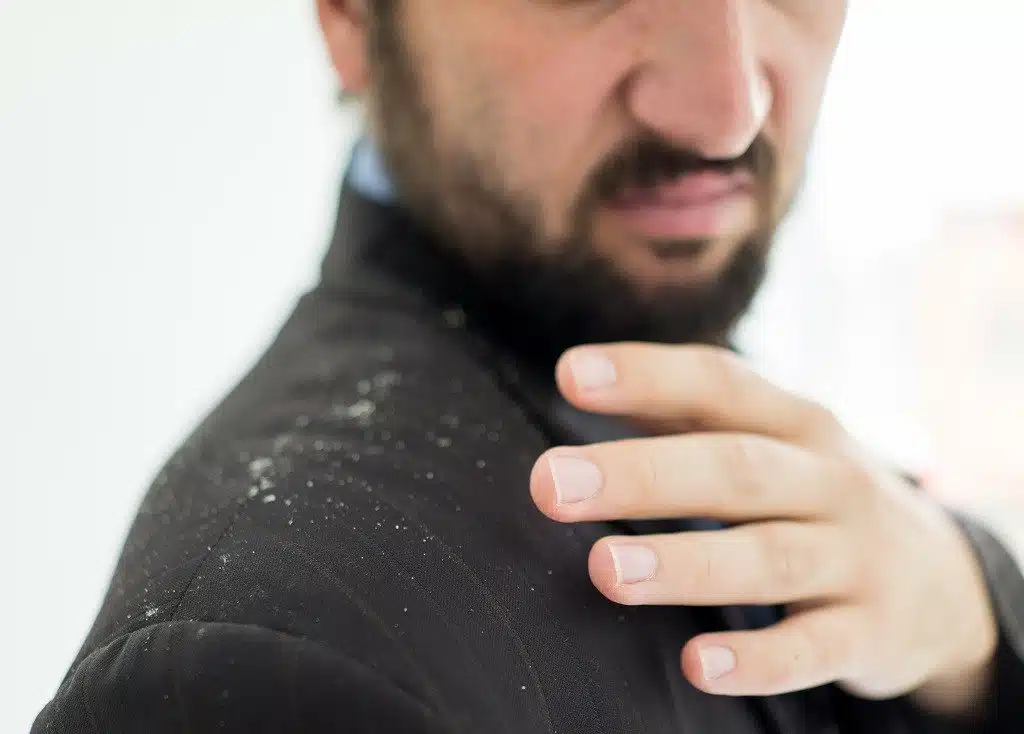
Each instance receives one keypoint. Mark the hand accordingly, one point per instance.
(884, 595)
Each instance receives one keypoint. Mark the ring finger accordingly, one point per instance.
(768, 563)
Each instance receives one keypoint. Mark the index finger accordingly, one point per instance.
(688, 387)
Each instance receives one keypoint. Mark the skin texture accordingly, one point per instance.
(884, 595)
(515, 147)
(512, 128)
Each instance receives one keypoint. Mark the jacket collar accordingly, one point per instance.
(379, 255)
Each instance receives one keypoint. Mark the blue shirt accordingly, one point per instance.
(368, 175)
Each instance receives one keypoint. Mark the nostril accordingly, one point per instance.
(731, 126)
(714, 108)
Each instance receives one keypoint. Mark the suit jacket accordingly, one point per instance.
(347, 544)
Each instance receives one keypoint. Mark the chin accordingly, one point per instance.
(655, 264)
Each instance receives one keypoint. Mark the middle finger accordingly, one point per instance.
(727, 477)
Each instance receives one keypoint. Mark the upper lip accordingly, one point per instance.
(689, 189)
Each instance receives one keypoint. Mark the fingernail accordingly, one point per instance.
(576, 479)
(633, 563)
(592, 371)
(717, 662)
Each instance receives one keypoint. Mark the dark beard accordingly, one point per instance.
(556, 294)
(577, 298)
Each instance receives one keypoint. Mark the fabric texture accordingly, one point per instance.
(347, 544)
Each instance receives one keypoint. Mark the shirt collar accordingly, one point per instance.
(368, 175)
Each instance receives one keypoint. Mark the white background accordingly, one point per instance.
(167, 178)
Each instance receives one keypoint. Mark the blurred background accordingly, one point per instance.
(168, 173)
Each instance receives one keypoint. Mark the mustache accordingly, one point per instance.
(649, 160)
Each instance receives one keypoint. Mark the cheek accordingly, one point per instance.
(537, 103)
(565, 117)
(798, 62)
(561, 118)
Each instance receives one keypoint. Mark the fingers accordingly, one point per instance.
(766, 564)
(728, 477)
(810, 649)
(687, 387)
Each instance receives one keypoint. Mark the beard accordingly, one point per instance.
(557, 293)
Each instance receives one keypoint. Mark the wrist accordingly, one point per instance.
(960, 693)
(961, 687)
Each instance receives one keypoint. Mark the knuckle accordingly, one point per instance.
(802, 657)
(745, 464)
(855, 486)
(790, 564)
(701, 572)
(825, 653)
(779, 670)
(651, 471)
(864, 569)
(823, 421)
(818, 425)
(842, 565)
(806, 654)
(724, 374)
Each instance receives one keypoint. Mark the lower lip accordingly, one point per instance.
(707, 217)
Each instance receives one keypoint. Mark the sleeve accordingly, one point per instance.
(1003, 712)
(195, 677)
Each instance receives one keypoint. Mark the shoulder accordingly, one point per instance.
(367, 461)
(180, 676)
(367, 364)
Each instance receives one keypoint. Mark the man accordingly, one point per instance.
(560, 211)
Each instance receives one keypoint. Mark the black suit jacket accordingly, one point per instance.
(347, 544)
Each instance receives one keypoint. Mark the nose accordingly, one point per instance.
(700, 82)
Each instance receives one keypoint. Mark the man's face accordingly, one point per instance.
(630, 158)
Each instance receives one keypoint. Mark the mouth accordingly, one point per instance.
(698, 205)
